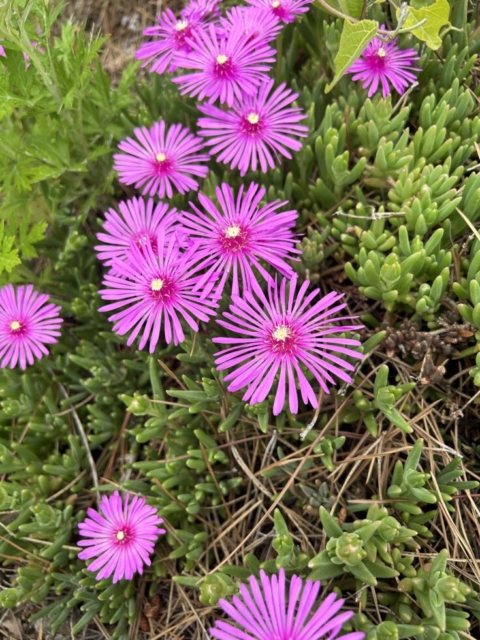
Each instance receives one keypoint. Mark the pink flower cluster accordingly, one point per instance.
(227, 58)
(223, 59)
(169, 269)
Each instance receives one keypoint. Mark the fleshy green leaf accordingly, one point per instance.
(436, 16)
(330, 524)
(361, 572)
(354, 39)
(397, 419)
(281, 528)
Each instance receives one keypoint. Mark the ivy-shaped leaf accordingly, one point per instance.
(353, 8)
(354, 39)
(435, 16)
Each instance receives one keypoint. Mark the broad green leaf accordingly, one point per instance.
(354, 39)
(436, 16)
(353, 8)
(335, 4)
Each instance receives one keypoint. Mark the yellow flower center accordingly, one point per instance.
(253, 118)
(15, 325)
(281, 333)
(275, 4)
(160, 157)
(233, 231)
(381, 53)
(120, 535)
(156, 285)
(222, 59)
(181, 25)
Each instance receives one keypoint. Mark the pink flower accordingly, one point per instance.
(120, 538)
(199, 10)
(257, 23)
(160, 158)
(158, 289)
(171, 36)
(256, 131)
(27, 324)
(26, 57)
(225, 68)
(285, 10)
(240, 235)
(268, 610)
(137, 224)
(282, 334)
(384, 62)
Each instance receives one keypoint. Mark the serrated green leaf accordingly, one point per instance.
(354, 39)
(8, 256)
(436, 16)
(30, 238)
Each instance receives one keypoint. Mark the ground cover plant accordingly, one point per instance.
(240, 321)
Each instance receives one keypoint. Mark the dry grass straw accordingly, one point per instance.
(362, 469)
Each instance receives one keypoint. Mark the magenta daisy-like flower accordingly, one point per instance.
(158, 289)
(170, 37)
(137, 223)
(27, 324)
(382, 63)
(257, 23)
(269, 610)
(286, 335)
(225, 68)
(256, 131)
(160, 158)
(284, 10)
(240, 234)
(120, 538)
(199, 10)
